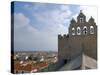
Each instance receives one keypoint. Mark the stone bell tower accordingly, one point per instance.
(81, 38)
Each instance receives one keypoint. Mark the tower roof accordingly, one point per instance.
(73, 20)
(81, 14)
(81, 18)
(91, 19)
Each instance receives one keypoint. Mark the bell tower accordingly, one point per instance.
(81, 18)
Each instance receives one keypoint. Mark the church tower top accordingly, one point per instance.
(81, 18)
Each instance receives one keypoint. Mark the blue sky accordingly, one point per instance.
(37, 25)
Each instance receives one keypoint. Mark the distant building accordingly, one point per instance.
(42, 59)
(81, 39)
(29, 67)
(24, 68)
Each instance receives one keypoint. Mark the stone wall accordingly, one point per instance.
(70, 47)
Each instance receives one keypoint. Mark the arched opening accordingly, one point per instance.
(65, 61)
(91, 30)
(85, 30)
(78, 31)
(73, 31)
(81, 20)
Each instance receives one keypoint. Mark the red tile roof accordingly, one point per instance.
(29, 66)
(25, 67)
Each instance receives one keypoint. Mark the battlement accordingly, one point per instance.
(63, 36)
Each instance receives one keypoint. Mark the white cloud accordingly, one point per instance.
(20, 20)
(64, 7)
(65, 11)
(54, 20)
(27, 37)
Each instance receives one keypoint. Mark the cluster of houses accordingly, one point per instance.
(33, 62)
(29, 67)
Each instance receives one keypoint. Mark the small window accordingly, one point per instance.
(85, 30)
(78, 31)
(81, 20)
(91, 30)
(73, 31)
